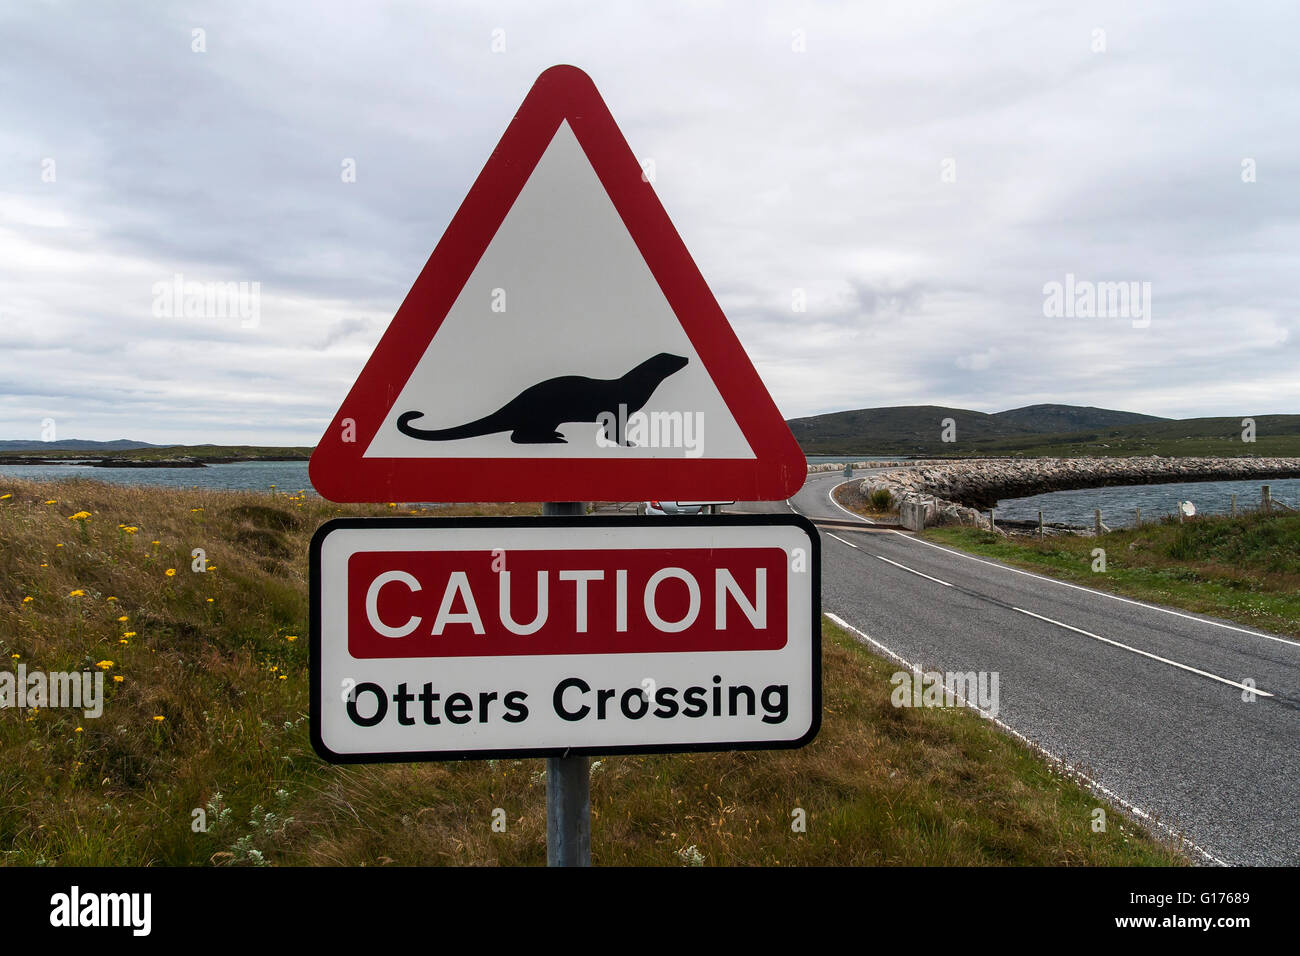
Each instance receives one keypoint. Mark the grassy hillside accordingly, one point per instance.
(1040, 432)
(207, 711)
(1275, 435)
(1057, 419)
(1245, 569)
(904, 429)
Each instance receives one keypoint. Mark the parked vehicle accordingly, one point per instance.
(668, 508)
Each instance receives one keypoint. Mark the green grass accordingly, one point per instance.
(1244, 569)
(221, 657)
(917, 433)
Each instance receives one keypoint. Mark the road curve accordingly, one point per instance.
(1190, 721)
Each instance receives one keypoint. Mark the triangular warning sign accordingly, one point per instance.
(559, 345)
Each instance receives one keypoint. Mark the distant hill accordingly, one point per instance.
(917, 429)
(902, 429)
(1056, 419)
(1038, 430)
(73, 444)
(74, 449)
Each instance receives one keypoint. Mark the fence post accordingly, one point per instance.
(1040, 526)
(992, 525)
(1139, 518)
(1266, 499)
(1096, 521)
(1234, 504)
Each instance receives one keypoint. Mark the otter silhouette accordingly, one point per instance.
(535, 414)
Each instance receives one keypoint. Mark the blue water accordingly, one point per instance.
(288, 476)
(1117, 503)
(1067, 507)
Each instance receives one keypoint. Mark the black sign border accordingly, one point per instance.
(548, 521)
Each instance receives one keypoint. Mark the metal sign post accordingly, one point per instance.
(568, 779)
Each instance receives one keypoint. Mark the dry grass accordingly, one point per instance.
(221, 657)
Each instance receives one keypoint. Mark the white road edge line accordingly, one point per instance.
(1113, 597)
(1039, 749)
(831, 495)
(887, 561)
(913, 570)
(1154, 657)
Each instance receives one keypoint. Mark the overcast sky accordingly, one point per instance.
(920, 170)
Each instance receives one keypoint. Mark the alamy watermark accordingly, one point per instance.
(652, 430)
(178, 298)
(76, 908)
(950, 689)
(1085, 299)
(77, 689)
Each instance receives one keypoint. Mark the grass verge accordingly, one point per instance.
(1244, 569)
(202, 755)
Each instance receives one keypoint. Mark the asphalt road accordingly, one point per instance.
(1147, 702)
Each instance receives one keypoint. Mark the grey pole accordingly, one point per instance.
(568, 779)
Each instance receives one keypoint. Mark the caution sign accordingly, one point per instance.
(461, 638)
(559, 345)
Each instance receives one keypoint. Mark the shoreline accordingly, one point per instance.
(960, 492)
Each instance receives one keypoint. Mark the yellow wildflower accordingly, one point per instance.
(123, 618)
(118, 678)
(51, 502)
(77, 593)
(77, 731)
(170, 572)
(110, 598)
(79, 516)
(291, 637)
(283, 677)
(28, 599)
(158, 717)
(129, 634)
(15, 656)
(3, 497)
(155, 542)
(104, 665)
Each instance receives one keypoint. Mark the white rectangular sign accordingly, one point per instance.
(454, 638)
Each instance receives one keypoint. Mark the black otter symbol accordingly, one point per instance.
(535, 414)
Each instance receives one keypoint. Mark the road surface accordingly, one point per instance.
(1152, 704)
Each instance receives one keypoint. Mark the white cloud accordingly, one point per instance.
(819, 171)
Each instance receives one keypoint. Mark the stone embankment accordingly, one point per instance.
(958, 491)
(857, 465)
